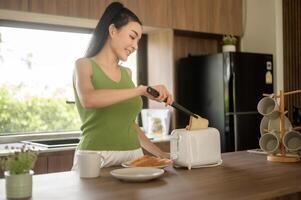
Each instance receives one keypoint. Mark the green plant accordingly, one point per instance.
(35, 114)
(20, 162)
(229, 40)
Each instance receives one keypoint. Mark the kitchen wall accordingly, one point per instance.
(263, 32)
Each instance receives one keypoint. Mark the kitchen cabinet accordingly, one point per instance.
(208, 16)
(71, 8)
(185, 43)
(212, 16)
(57, 161)
(21, 5)
(152, 13)
(41, 165)
(60, 161)
(156, 13)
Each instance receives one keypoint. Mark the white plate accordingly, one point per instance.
(264, 125)
(274, 124)
(125, 164)
(137, 174)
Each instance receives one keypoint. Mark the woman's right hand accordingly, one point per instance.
(164, 94)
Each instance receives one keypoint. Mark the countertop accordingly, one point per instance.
(241, 176)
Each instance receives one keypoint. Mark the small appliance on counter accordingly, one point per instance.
(196, 146)
(195, 149)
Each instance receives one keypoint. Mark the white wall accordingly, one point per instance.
(263, 33)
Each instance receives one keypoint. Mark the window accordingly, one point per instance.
(36, 67)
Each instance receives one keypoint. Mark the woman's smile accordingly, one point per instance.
(128, 52)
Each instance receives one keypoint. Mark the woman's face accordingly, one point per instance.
(124, 41)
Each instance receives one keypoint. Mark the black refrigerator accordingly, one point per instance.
(225, 88)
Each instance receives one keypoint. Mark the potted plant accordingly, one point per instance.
(229, 43)
(18, 171)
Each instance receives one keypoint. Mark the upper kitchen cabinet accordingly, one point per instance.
(21, 5)
(156, 13)
(208, 16)
(72, 8)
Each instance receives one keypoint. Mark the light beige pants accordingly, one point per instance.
(112, 158)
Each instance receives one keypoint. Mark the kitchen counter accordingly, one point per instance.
(59, 159)
(241, 176)
(5, 152)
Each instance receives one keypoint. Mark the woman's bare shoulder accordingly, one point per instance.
(82, 62)
(83, 66)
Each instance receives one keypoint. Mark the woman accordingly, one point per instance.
(106, 98)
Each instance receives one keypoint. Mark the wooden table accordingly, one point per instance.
(241, 176)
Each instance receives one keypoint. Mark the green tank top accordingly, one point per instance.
(110, 128)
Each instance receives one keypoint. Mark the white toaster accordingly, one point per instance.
(194, 149)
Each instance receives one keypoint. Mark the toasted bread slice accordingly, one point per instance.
(196, 124)
(148, 161)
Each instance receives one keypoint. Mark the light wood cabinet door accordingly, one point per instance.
(156, 13)
(210, 16)
(71, 8)
(21, 5)
(225, 17)
(151, 12)
(54, 162)
(60, 161)
(41, 165)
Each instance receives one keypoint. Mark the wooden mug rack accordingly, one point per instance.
(283, 156)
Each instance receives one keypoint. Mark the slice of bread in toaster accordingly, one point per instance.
(196, 124)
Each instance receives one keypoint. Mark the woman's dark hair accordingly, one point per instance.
(115, 14)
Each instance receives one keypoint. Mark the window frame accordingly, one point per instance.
(22, 19)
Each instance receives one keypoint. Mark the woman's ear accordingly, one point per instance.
(112, 30)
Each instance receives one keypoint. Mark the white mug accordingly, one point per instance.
(89, 163)
(292, 141)
(268, 107)
(270, 142)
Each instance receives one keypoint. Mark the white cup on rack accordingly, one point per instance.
(292, 141)
(270, 142)
(268, 107)
(89, 163)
